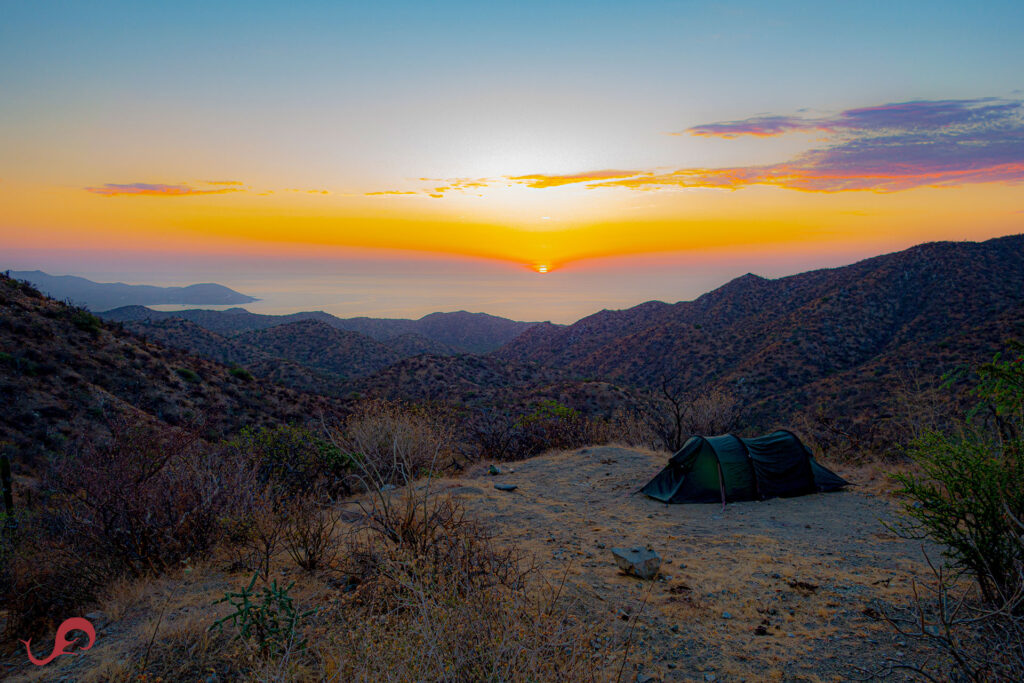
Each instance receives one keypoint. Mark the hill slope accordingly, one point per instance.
(781, 343)
(63, 373)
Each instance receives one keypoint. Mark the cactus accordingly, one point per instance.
(272, 622)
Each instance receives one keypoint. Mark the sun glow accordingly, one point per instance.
(541, 268)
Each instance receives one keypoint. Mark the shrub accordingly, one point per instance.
(309, 534)
(146, 500)
(241, 373)
(969, 492)
(389, 443)
(440, 589)
(675, 415)
(548, 425)
(189, 376)
(293, 457)
(85, 321)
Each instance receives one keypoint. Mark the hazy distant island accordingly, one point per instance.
(103, 296)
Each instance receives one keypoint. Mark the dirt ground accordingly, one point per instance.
(772, 590)
(762, 591)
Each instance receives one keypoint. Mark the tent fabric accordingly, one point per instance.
(727, 468)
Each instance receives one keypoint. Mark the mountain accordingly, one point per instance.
(63, 372)
(839, 338)
(458, 332)
(100, 296)
(309, 354)
(317, 345)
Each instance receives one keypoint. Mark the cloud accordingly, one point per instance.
(884, 148)
(154, 189)
(449, 185)
(540, 180)
(758, 126)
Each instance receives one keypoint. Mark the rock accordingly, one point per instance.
(710, 677)
(97, 619)
(642, 562)
(506, 487)
(726, 615)
(675, 628)
(494, 469)
(388, 487)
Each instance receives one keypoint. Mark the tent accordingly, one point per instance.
(727, 468)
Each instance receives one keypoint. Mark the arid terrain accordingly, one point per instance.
(777, 590)
(804, 568)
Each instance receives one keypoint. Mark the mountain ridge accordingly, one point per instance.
(104, 295)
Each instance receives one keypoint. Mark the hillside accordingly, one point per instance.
(100, 296)
(63, 372)
(784, 344)
(458, 332)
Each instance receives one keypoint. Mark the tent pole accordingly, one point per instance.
(721, 484)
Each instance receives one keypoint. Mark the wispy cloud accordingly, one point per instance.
(156, 189)
(758, 126)
(540, 180)
(883, 148)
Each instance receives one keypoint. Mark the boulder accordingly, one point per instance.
(642, 562)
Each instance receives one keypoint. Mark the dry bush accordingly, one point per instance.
(501, 435)
(388, 443)
(309, 536)
(969, 638)
(675, 414)
(147, 500)
(255, 535)
(632, 428)
(438, 601)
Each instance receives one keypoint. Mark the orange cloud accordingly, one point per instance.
(154, 189)
(540, 180)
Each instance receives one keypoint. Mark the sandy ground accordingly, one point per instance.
(772, 590)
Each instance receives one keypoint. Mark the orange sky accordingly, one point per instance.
(529, 134)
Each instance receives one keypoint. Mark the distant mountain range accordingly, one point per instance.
(440, 333)
(841, 342)
(100, 296)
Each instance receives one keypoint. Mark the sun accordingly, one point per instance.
(541, 268)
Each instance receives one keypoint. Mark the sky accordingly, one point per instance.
(537, 160)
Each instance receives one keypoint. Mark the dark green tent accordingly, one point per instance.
(727, 468)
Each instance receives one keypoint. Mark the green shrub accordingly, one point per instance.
(189, 376)
(85, 321)
(969, 493)
(241, 373)
(294, 457)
